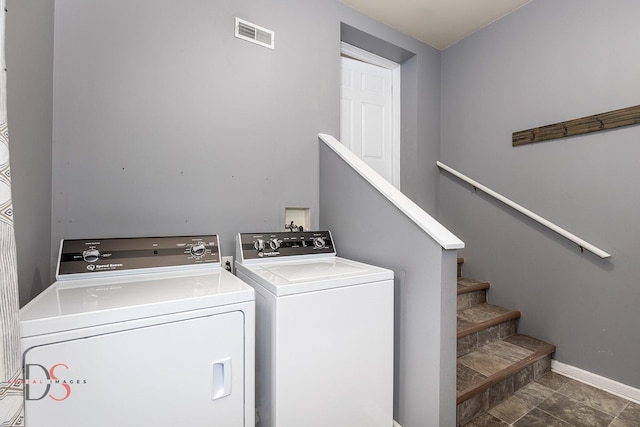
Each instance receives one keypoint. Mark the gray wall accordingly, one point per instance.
(29, 51)
(167, 124)
(425, 274)
(548, 62)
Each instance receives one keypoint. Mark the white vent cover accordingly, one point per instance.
(250, 32)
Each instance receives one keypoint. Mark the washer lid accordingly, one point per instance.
(98, 301)
(307, 271)
(294, 277)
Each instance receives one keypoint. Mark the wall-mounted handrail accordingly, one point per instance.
(561, 231)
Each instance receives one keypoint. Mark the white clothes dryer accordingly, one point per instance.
(324, 330)
(140, 332)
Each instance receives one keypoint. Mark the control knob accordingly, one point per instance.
(91, 255)
(275, 243)
(318, 242)
(259, 245)
(198, 249)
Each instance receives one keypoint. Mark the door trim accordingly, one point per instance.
(371, 58)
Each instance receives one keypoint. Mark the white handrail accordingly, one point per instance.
(422, 219)
(561, 231)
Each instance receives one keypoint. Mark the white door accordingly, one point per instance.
(367, 116)
(184, 373)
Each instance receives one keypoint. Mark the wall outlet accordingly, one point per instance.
(227, 263)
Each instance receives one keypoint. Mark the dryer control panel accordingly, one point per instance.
(283, 244)
(92, 256)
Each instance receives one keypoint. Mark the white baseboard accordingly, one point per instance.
(396, 424)
(603, 383)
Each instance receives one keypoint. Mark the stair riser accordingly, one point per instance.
(474, 341)
(483, 402)
(472, 298)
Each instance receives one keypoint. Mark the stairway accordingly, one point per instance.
(494, 361)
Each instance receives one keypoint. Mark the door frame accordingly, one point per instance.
(371, 58)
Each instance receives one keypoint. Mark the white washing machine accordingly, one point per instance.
(324, 329)
(140, 332)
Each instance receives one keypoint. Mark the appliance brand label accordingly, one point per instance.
(99, 267)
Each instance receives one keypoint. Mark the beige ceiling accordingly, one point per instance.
(438, 23)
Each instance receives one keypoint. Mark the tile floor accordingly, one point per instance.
(555, 400)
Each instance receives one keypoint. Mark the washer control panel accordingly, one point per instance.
(284, 244)
(90, 256)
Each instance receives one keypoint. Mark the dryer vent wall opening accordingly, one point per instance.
(250, 32)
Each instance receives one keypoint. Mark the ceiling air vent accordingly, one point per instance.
(255, 34)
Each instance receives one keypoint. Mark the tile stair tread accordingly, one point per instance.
(470, 285)
(495, 362)
(482, 316)
(488, 368)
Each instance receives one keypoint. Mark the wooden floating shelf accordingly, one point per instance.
(611, 120)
